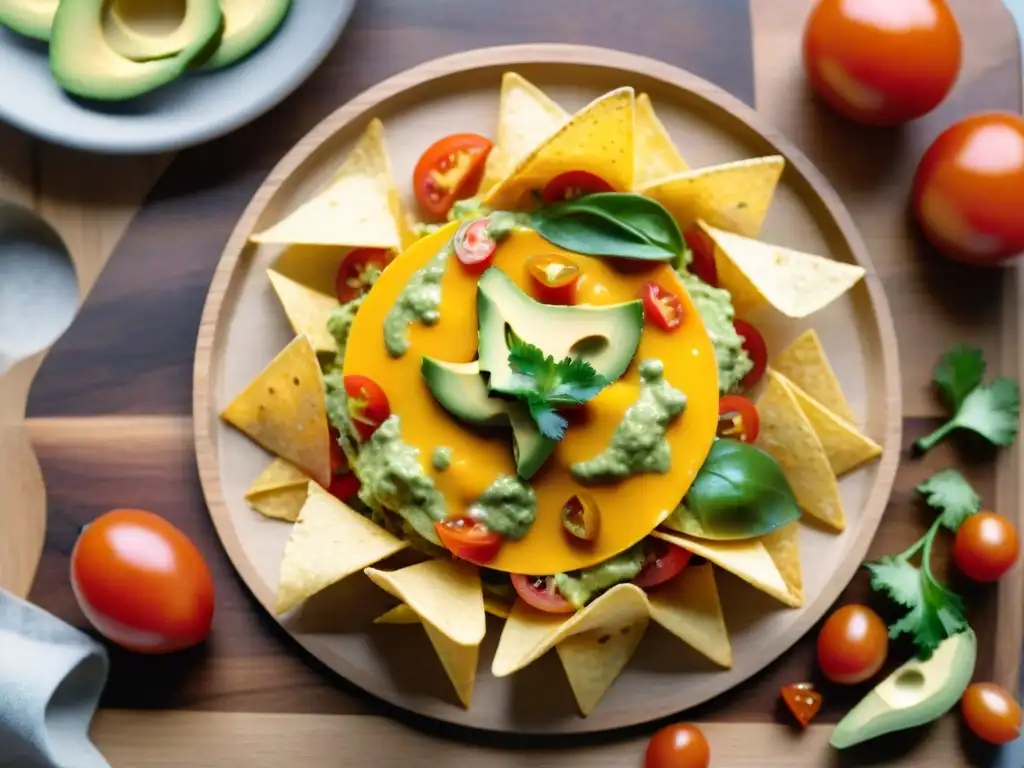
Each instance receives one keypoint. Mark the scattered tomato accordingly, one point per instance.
(678, 746)
(803, 701)
(469, 539)
(345, 486)
(474, 248)
(879, 62)
(986, 546)
(738, 418)
(703, 250)
(661, 307)
(541, 593)
(573, 184)
(353, 278)
(339, 462)
(449, 170)
(969, 189)
(753, 342)
(991, 713)
(142, 583)
(581, 518)
(554, 277)
(663, 562)
(367, 404)
(852, 645)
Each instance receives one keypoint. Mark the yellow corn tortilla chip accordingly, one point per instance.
(787, 434)
(359, 207)
(328, 542)
(656, 154)
(403, 614)
(734, 196)
(599, 139)
(748, 559)
(278, 474)
(307, 310)
(282, 503)
(783, 545)
(844, 445)
(526, 117)
(805, 363)
(797, 284)
(283, 410)
(593, 660)
(689, 608)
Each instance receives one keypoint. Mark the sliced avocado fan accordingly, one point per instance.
(32, 18)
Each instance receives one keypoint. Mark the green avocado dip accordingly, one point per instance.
(639, 444)
(420, 300)
(441, 458)
(461, 210)
(714, 305)
(508, 507)
(579, 587)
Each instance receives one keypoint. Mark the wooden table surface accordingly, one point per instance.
(109, 410)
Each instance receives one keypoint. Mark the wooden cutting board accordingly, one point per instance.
(109, 409)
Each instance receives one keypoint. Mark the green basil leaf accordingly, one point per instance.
(618, 224)
(739, 493)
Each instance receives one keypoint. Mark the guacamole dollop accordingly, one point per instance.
(714, 305)
(339, 325)
(420, 300)
(508, 507)
(461, 210)
(580, 587)
(441, 458)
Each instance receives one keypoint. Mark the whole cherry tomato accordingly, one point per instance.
(991, 713)
(678, 746)
(703, 250)
(986, 546)
(754, 344)
(852, 645)
(353, 278)
(882, 62)
(573, 184)
(541, 593)
(554, 277)
(469, 539)
(367, 404)
(661, 307)
(969, 189)
(738, 418)
(663, 562)
(449, 170)
(474, 248)
(142, 583)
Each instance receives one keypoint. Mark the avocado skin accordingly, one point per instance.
(235, 47)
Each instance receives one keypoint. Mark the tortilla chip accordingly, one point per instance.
(787, 434)
(598, 139)
(403, 614)
(805, 364)
(526, 117)
(656, 154)
(593, 660)
(307, 310)
(328, 542)
(783, 545)
(844, 445)
(283, 410)
(733, 196)
(689, 608)
(359, 207)
(282, 503)
(747, 558)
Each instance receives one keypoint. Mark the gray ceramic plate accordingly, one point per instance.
(195, 109)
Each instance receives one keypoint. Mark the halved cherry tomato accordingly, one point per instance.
(738, 418)
(678, 746)
(991, 713)
(663, 562)
(345, 486)
(469, 539)
(554, 277)
(852, 645)
(367, 404)
(703, 250)
(449, 170)
(573, 184)
(753, 342)
(541, 593)
(803, 701)
(474, 248)
(352, 280)
(986, 546)
(661, 307)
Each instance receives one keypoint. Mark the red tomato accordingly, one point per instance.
(554, 277)
(367, 404)
(703, 250)
(471, 540)
(663, 562)
(474, 248)
(339, 462)
(969, 189)
(678, 746)
(661, 307)
(986, 546)
(345, 486)
(449, 170)
(991, 713)
(353, 280)
(142, 583)
(803, 701)
(753, 342)
(573, 184)
(541, 593)
(738, 418)
(882, 62)
(852, 645)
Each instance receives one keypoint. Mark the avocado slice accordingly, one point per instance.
(461, 390)
(140, 44)
(915, 694)
(606, 336)
(83, 63)
(247, 25)
(31, 18)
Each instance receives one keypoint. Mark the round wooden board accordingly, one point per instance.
(243, 327)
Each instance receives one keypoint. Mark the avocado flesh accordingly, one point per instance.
(31, 18)
(605, 336)
(83, 63)
(915, 694)
(138, 45)
(247, 25)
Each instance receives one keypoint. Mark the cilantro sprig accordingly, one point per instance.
(934, 611)
(545, 385)
(991, 410)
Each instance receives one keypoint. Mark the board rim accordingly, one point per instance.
(824, 197)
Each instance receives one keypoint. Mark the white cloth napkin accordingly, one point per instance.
(51, 677)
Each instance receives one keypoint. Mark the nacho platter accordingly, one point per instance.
(244, 329)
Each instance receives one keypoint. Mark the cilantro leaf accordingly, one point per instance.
(958, 372)
(549, 421)
(950, 493)
(896, 577)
